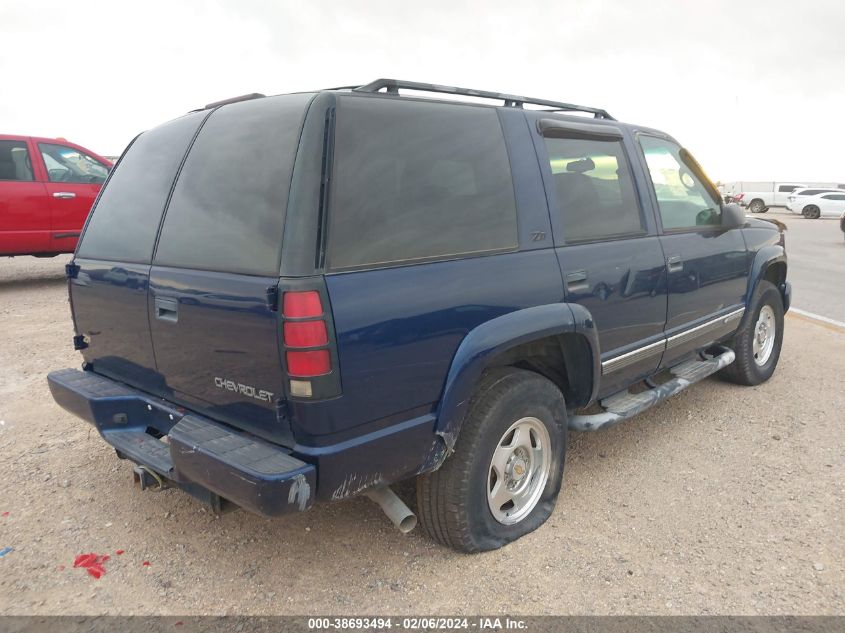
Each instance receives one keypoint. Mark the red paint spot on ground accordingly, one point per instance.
(92, 563)
(119, 552)
(179, 623)
(5, 514)
(146, 563)
(85, 560)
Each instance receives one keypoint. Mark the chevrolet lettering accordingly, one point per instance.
(247, 390)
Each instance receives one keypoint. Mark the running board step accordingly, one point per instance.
(623, 405)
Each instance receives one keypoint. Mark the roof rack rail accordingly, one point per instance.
(392, 86)
(217, 104)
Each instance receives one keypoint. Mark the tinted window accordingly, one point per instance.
(124, 222)
(15, 163)
(810, 192)
(682, 197)
(66, 164)
(786, 188)
(416, 180)
(593, 188)
(834, 196)
(228, 206)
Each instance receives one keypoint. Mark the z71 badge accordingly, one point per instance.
(246, 390)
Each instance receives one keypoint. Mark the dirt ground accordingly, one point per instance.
(724, 500)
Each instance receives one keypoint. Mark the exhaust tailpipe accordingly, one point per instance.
(395, 509)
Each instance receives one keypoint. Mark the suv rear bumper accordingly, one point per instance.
(187, 449)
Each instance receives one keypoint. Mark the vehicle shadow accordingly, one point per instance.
(49, 278)
(338, 554)
(331, 533)
(21, 272)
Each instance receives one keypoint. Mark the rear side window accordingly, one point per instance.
(786, 188)
(15, 163)
(124, 222)
(594, 189)
(228, 206)
(416, 181)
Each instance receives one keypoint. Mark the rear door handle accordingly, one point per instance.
(64, 195)
(167, 309)
(675, 263)
(576, 280)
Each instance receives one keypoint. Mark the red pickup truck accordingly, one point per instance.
(47, 187)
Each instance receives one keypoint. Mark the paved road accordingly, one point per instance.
(816, 251)
(723, 500)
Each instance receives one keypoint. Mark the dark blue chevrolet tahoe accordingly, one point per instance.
(300, 298)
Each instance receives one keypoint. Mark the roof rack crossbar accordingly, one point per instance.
(392, 86)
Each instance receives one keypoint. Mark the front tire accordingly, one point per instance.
(758, 342)
(757, 206)
(504, 476)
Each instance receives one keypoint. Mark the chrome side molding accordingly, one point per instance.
(629, 358)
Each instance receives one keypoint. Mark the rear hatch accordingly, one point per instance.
(197, 321)
(110, 273)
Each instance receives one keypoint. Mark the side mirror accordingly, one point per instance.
(733, 216)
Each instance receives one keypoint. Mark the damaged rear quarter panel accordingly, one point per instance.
(381, 457)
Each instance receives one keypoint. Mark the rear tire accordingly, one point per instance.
(757, 206)
(508, 459)
(758, 342)
(811, 212)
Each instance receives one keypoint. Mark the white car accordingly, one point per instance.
(829, 204)
(797, 200)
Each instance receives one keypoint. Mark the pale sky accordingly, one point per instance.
(754, 89)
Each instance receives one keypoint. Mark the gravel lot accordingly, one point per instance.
(724, 500)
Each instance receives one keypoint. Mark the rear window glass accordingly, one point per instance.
(594, 189)
(415, 181)
(228, 206)
(124, 223)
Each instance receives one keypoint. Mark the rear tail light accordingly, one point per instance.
(740, 196)
(305, 336)
(305, 364)
(305, 333)
(299, 305)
